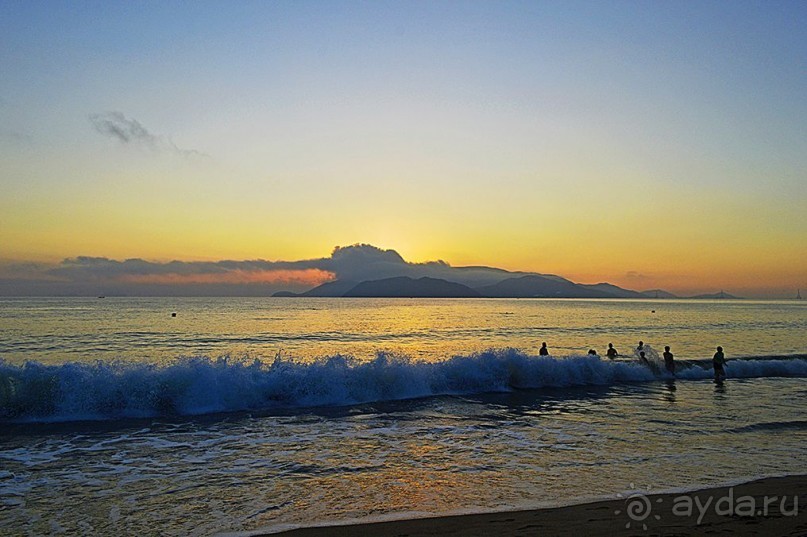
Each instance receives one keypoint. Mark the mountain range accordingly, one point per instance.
(358, 270)
(363, 270)
(529, 286)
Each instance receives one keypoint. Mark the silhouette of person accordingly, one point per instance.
(669, 361)
(544, 351)
(592, 352)
(641, 346)
(643, 359)
(611, 352)
(719, 363)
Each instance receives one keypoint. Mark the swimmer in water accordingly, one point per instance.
(669, 361)
(719, 363)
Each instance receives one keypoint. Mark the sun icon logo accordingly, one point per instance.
(638, 506)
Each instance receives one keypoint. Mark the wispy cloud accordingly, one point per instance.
(296, 277)
(637, 277)
(129, 131)
(84, 269)
(16, 137)
(116, 125)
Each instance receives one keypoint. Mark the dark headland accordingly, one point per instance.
(362, 270)
(528, 286)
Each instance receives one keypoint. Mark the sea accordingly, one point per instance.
(205, 416)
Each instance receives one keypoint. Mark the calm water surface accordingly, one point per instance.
(142, 329)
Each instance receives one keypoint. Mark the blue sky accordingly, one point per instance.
(478, 132)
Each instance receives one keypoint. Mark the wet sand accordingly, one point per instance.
(723, 511)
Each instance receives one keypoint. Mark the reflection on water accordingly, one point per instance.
(142, 329)
(669, 392)
(435, 454)
(244, 471)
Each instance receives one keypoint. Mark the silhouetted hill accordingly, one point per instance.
(328, 289)
(658, 293)
(362, 267)
(540, 287)
(403, 286)
(720, 295)
(286, 294)
(335, 288)
(613, 290)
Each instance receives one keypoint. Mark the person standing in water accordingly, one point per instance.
(719, 363)
(611, 352)
(650, 364)
(669, 361)
(544, 351)
(592, 352)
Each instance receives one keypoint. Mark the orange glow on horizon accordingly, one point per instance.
(310, 277)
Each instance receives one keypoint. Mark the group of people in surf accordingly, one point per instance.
(718, 360)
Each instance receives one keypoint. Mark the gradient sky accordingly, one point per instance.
(649, 144)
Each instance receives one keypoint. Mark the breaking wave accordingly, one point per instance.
(194, 386)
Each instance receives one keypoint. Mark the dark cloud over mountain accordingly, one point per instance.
(101, 275)
(357, 263)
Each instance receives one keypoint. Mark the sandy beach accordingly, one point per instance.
(777, 504)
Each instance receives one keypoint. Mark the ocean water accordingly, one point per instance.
(240, 414)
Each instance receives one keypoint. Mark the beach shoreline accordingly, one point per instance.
(778, 504)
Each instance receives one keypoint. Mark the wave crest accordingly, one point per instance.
(200, 385)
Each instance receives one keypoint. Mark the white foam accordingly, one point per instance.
(192, 386)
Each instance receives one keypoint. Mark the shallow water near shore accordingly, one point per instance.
(432, 455)
(321, 439)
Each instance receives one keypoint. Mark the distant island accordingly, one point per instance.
(509, 285)
(716, 296)
(403, 286)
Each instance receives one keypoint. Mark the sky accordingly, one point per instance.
(647, 144)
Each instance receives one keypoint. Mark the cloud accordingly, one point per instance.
(116, 125)
(102, 269)
(304, 277)
(357, 263)
(364, 262)
(16, 137)
(361, 262)
(129, 131)
(101, 275)
(637, 277)
(25, 270)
